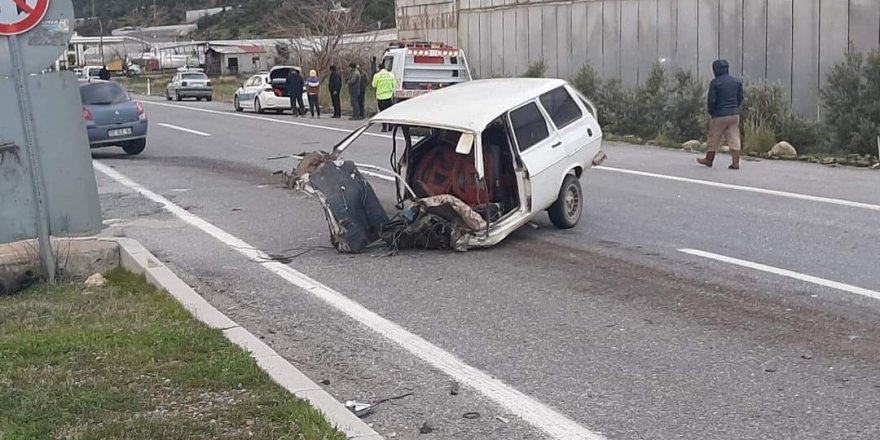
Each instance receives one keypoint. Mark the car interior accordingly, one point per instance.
(435, 168)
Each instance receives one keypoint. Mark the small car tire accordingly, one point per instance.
(237, 105)
(177, 97)
(566, 211)
(209, 99)
(135, 147)
(168, 96)
(258, 108)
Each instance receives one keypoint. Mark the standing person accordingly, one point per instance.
(104, 74)
(354, 92)
(295, 85)
(385, 84)
(724, 102)
(365, 82)
(335, 86)
(313, 87)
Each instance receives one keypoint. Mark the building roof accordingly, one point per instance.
(468, 106)
(235, 50)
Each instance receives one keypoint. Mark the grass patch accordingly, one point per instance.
(127, 361)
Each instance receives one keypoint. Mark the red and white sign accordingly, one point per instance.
(20, 16)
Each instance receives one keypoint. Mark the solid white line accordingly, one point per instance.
(187, 130)
(261, 118)
(539, 415)
(785, 273)
(752, 189)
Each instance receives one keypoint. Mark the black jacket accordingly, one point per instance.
(295, 84)
(725, 91)
(335, 82)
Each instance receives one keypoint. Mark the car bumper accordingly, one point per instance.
(200, 92)
(99, 135)
(277, 103)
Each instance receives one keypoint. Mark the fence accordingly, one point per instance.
(790, 42)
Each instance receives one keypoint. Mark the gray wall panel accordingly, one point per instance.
(563, 41)
(805, 58)
(864, 18)
(629, 44)
(611, 39)
(779, 42)
(667, 28)
(536, 24)
(730, 29)
(833, 35)
(579, 35)
(708, 43)
(687, 35)
(647, 37)
(548, 29)
(522, 40)
(594, 36)
(498, 42)
(754, 39)
(485, 25)
(510, 42)
(464, 38)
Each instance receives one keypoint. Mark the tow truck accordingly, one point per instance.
(423, 66)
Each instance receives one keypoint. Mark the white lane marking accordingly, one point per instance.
(261, 118)
(785, 273)
(752, 189)
(539, 415)
(186, 130)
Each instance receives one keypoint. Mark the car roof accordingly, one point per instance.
(468, 106)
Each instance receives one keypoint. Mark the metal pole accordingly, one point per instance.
(41, 207)
(101, 41)
(148, 88)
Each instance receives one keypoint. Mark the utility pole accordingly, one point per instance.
(93, 8)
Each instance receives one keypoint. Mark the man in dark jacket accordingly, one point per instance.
(104, 74)
(725, 100)
(295, 86)
(365, 81)
(335, 86)
(354, 92)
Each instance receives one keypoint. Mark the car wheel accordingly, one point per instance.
(198, 99)
(135, 147)
(209, 99)
(566, 211)
(177, 96)
(258, 107)
(167, 95)
(236, 104)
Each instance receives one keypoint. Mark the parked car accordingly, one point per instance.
(423, 66)
(90, 72)
(509, 149)
(190, 84)
(112, 117)
(266, 92)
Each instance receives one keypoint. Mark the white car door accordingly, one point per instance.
(541, 150)
(246, 98)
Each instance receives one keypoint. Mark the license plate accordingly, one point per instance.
(119, 132)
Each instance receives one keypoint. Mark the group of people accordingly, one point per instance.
(383, 81)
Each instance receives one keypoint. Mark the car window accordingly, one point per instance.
(195, 76)
(255, 81)
(529, 126)
(103, 94)
(561, 107)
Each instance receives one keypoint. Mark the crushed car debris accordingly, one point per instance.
(467, 176)
(364, 408)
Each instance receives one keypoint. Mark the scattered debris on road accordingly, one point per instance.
(502, 419)
(426, 428)
(362, 408)
(454, 389)
(471, 415)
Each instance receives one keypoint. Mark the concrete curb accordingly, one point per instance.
(137, 259)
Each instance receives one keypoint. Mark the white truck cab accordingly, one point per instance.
(421, 67)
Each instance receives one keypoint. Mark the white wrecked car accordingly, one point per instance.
(495, 152)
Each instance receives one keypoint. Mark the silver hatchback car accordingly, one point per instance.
(190, 85)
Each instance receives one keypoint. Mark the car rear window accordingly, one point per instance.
(108, 93)
(195, 76)
(529, 126)
(561, 107)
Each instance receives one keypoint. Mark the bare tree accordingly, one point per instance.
(316, 29)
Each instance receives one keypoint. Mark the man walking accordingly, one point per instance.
(354, 92)
(335, 86)
(724, 102)
(295, 85)
(384, 83)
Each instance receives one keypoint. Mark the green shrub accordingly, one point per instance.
(651, 103)
(765, 104)
(686, 117)
(807, 135)
(587, 81)
(852, 102)
(536, 69)
(759, 137)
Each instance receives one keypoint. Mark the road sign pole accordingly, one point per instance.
(30, 145)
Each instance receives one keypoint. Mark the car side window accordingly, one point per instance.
(529, 126)
(561, 107)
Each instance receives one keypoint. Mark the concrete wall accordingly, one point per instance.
(790, 42)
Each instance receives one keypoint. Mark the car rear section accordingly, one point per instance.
(421, 67)
(112, 117)
(195, 85)
(277, 97)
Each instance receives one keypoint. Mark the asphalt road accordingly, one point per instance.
(769, 329)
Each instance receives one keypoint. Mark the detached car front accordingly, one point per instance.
(112, 117)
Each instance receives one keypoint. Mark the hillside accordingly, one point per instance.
(244, 19)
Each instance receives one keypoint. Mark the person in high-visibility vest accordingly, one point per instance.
(384, 83)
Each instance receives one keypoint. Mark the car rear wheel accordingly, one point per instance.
(135, 147)
(168, 95)
(177, 96)
(236, 104)
(209, 99)
(258, 107)
(566, 211)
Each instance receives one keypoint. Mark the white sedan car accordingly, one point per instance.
(267, 92)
